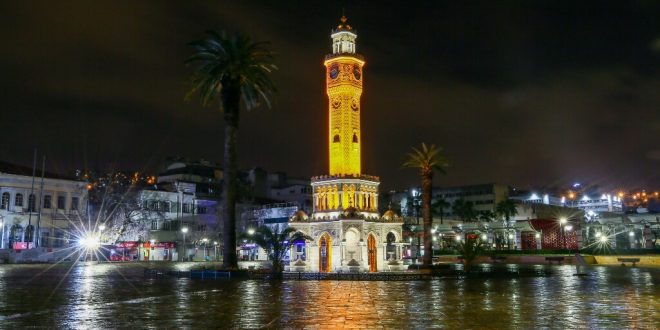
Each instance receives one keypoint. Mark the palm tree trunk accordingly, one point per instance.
(427, 178)
(231, 104)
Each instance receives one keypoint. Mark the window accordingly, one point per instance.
(59, 238)
(154, 224)
(32, 203)
(18, 201)
(60, 202)
(201, 210)
(186, 208)
(336, 138)
(165, 206)
(355, 139)
(74, 203)
(47, 201)
(5, 201)
(43, 239)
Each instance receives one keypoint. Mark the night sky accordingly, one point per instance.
(516, 92)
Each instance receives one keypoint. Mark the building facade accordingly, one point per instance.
(39, 213)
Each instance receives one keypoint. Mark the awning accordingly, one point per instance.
(276, 220)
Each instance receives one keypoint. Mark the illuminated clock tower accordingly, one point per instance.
(347, 232)
(344, 88)
(346, 187)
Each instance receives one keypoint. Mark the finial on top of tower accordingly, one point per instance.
(343, 20)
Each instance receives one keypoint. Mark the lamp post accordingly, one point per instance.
(101, 229)
(205, 240)
(151, 247)
(415, 196)
(562, 226)
(184, 230)
(215, 250)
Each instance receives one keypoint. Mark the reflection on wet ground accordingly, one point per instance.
(101, 296)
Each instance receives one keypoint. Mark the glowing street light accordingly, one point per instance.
(631, 234)
(184, 230)
(562, 221)
(90, 242)
(484, 237)
(250, 231)
(102, 227)
(603, 239)
(205, 240)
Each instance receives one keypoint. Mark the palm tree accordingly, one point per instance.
(470, 250)
(439, 207)
(506, 209)
(231, 68)
(465, 210)
(486, 216)
(276, 243)
(427, 160)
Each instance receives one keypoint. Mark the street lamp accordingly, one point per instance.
(215, 250)
(205, 240)
(184, 230)
(562, 227)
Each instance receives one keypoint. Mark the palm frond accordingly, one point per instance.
(428, 158)
(221, 60)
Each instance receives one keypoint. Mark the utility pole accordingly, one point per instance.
(30, 230)
(41, 196)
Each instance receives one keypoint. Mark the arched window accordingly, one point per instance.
(29, 233)
(18, 200)
(390, 248)
(5, 201)
(15, 234)
(355, 139)
(336, 138)
(32, 203)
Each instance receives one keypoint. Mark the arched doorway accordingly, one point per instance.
(325, 253)
(29, 234)
(15, 235)
(371, 248)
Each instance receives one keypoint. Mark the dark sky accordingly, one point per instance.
(516, 92)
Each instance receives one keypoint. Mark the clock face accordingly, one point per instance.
(334, 71)
(356, 73)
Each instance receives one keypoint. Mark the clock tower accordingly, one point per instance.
(346, 187)
(344, 87)
(347, 232)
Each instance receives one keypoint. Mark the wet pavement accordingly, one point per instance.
(105, 296)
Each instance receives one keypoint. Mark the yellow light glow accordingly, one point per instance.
(344, 88)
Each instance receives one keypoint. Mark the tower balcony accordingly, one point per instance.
(331, 56)
(366, 177)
